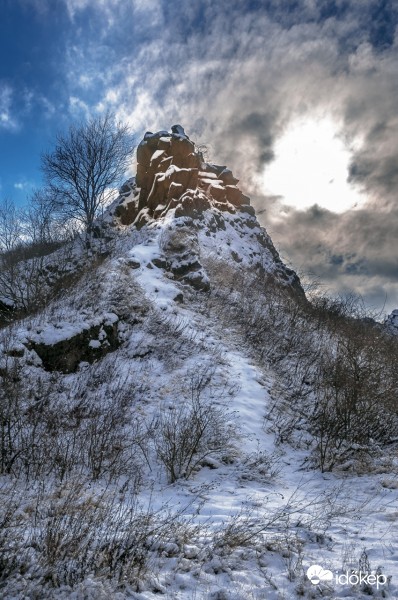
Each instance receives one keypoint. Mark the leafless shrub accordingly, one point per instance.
(273, 527)
(49, 428)
(11, 415)
(195, 430)
(355, 398)
(27, 237)
(111, 441)
(63, 534)
(13, 552)
(21, 281)
(260, 466)
(336, 387)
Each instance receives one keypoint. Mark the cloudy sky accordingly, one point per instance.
(298, 97)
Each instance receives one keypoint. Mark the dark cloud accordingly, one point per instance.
(258, 128)
(237, 74)
(354, 250)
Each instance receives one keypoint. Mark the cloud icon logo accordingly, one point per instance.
(316, 574)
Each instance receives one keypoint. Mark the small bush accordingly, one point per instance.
(195, 430)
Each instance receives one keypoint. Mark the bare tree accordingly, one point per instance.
(86, 164)
(10, 225)
(41, 220)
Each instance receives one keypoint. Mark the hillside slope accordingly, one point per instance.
(142, 449)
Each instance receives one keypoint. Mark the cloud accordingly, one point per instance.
(24, 185)
(76, 6)
(8, 120)
(78, 108)
(354, 250)
(237, 75)
(112, 11)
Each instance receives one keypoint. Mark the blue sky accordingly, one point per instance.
(238, 75)
(53, 57)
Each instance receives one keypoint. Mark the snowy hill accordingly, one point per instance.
(157, 438)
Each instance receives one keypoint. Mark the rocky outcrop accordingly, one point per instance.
(180, 246)
(64, 353)
(171, 174)
(127, 208)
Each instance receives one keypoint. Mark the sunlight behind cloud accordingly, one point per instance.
(311, 167)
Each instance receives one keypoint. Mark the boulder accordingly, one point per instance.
(89, 345)
(248, 209)
(144, 153)
(193, 161)
(391, 322)
(216, 169)
(188, 178)
(164, 143)
(175, 191)
(217, 192)
(159, 190)
(181, 148)
(192, 206)
(156, 158)
(127, 211)
(127, 187)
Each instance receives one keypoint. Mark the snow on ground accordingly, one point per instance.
(366, 516)
(300, 516)
(329, 519)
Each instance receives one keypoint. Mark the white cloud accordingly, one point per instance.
(107, 6)
(74, 6)
(23, 185)
(78, 108)
(7, 119)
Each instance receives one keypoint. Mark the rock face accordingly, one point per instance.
(171, 174)
(172, 177)
(392, 322)
(87, 345)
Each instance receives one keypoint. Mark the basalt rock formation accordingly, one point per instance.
(171, 173)
(174, 180)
